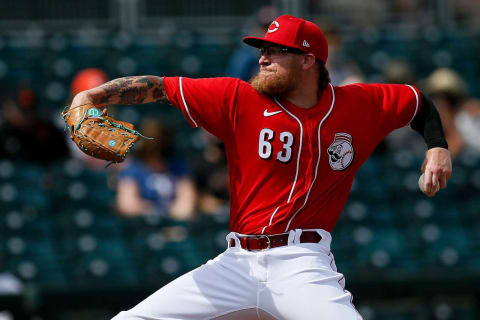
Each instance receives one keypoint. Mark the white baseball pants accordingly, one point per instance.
(294, 282)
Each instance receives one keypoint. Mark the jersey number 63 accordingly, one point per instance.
(265, 147)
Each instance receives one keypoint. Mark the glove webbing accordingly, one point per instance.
(100, 124)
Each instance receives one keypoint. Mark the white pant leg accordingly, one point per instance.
(303, 283)
(221, 286)
(294, 282)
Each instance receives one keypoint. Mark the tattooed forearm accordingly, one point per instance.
(159, 94)
(116, 90)
(130, 90)
(148, 81)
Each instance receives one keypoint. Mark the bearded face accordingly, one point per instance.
(276, 80)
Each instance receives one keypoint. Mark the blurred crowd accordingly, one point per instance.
(158, 181)
(155, 180)
(375, 12)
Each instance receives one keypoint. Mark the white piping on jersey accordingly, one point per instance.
(185, 103)
(318, 161)
(271, 219)
(299, 148)
(416, 107)
(298, 161)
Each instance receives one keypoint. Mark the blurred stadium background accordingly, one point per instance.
(67, 254)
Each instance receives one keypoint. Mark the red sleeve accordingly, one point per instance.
(208, 103)
(396, 104)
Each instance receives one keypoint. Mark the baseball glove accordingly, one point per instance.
(99, 135)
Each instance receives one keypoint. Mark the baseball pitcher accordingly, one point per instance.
(293, 143)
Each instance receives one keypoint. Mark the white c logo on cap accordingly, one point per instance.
(275, 28)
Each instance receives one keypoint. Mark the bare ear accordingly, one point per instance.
(308, 61)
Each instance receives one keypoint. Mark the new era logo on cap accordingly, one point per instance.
(293, 32)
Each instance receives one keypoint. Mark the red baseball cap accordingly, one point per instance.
(293, 32)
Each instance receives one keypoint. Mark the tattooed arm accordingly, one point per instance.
(127, 90)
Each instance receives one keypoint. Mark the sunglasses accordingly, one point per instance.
(273, 50)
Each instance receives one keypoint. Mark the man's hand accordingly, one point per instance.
(82, 98)
(437, 168)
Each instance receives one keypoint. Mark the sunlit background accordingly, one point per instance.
(71, 248)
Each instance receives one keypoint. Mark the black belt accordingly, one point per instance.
(264, 241)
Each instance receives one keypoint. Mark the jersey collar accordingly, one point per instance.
(323, 104)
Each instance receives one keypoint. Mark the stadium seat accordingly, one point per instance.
(93, 257)
(34, 259)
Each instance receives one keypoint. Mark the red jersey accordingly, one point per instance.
(292, 167)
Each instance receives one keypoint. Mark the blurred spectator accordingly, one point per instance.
(211, 176)
(86, 79)
(411, 12)
(342, 70)
(355, 13)
(400, 72)
(24, 134)
(152, 182)
(466, 13)
(243, 63)
(447, 90)
(467, 122)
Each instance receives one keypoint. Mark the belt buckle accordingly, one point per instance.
(260, 236)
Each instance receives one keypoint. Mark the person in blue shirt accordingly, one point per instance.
(152, 182)
(243, 63)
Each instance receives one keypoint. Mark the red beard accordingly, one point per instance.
(274, 85)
